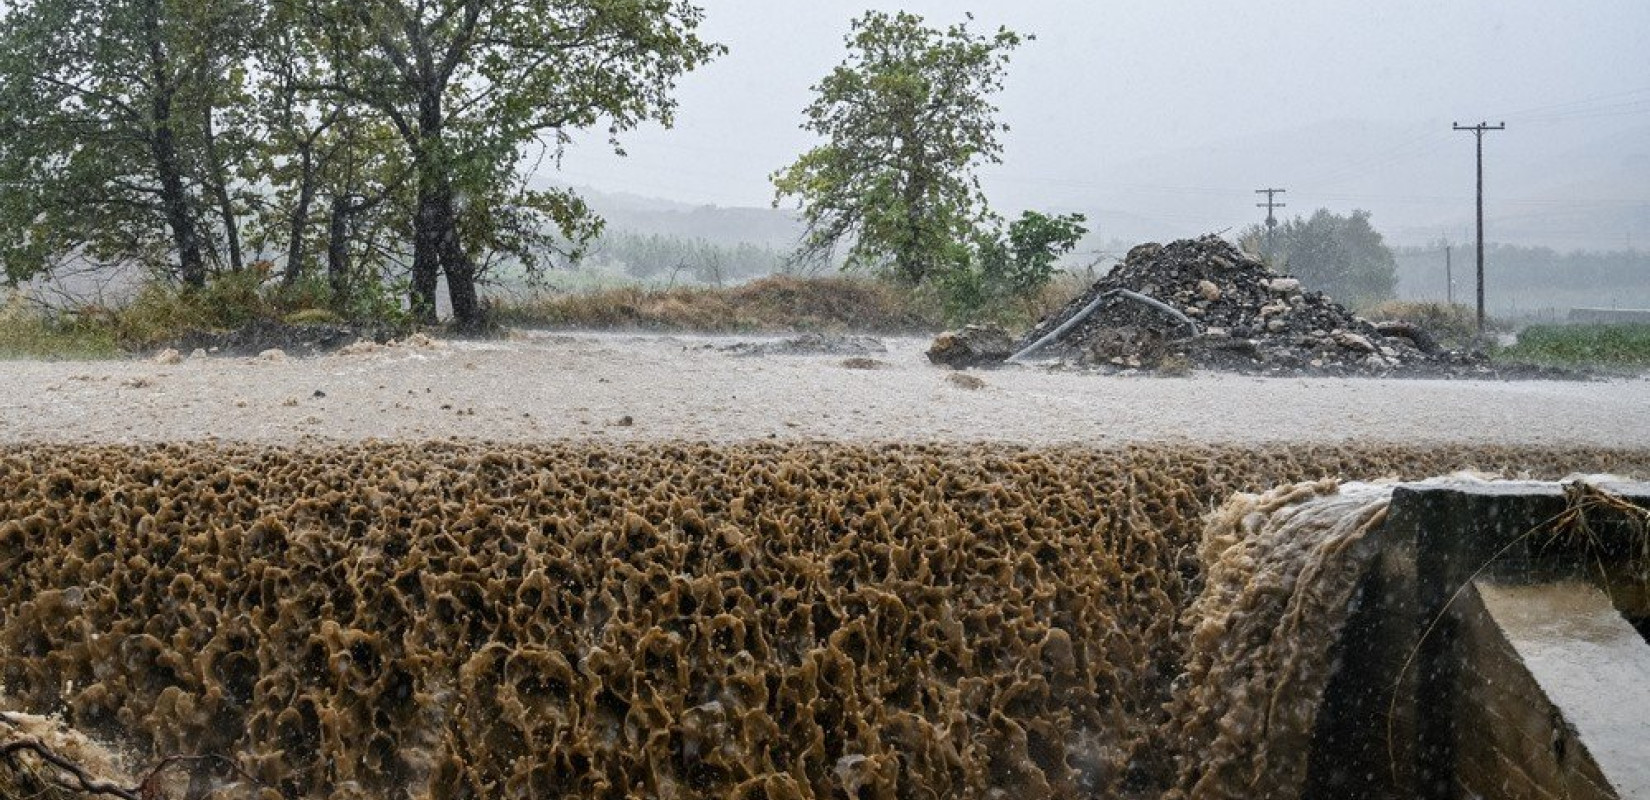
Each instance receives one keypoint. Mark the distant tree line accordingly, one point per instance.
(340, 141)
(659, 257)
(1530, 278)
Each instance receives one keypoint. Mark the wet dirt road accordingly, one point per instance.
(539, 386)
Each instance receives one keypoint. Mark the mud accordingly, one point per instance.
(667, 620)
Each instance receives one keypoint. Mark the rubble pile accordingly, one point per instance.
(1234, 313)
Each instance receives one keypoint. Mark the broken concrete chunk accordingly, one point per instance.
(973, 346)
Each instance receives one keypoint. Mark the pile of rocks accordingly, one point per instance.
(1218, 308)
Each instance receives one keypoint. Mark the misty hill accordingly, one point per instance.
(778, 229)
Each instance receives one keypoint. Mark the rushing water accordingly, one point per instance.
(777, 621)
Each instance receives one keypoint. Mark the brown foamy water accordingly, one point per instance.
(672, 620)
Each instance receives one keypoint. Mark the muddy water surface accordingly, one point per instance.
(669, 620)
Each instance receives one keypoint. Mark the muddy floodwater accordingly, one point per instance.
(538, 386)
(670, 567)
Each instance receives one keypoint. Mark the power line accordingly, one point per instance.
(1478, 133)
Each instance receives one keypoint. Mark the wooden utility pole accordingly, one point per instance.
(1478, 133)
(1271, 221)
(1449, 275)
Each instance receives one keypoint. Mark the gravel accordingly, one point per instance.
(611, 387)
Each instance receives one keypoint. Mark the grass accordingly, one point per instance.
(776, 304)
(160, 314)
(157, 315)
(27, 332)
(1609, 346)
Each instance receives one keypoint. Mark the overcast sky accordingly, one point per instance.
(1171, 112)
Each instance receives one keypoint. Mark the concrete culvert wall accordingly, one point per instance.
(786, 621)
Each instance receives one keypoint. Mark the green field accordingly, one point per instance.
(1612, 346)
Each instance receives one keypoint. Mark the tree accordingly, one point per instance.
(1007, 265)
(472, 86)
(906, 119)
(1341, 256)
(112, 143)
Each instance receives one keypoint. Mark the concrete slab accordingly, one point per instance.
(1591, 665)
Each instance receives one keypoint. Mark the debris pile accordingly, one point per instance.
(1203, 303)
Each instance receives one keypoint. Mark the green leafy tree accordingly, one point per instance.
(472, 87)
(113, 142)
(1341, 256)
(906, 120)
(1006, 266)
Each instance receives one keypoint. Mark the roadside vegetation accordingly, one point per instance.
(26, 332)
(1453, 326)
(777, 303)
(160, 314)
(1623, 347)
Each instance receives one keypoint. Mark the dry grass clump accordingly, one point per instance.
(774, 303)
(784, 621)
(27, 331)
(1452, 325)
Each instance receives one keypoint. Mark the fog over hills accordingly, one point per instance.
(1417, 182)
(1159, 120)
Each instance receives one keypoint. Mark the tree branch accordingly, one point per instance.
(83, 781)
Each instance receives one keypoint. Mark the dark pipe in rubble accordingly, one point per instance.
(1096, 303)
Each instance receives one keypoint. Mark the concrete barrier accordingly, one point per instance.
(1484, 661)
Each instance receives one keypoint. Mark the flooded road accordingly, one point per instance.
(618, 387)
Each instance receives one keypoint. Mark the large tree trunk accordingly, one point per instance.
(437, 248)
(461, 276)
(300, 218)
(426, 267)
(911, 263)
(163, 147)
(338, 251)
(175, 199)
(431, 222)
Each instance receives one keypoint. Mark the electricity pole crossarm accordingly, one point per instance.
(1270, 205)
(1478, 133)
